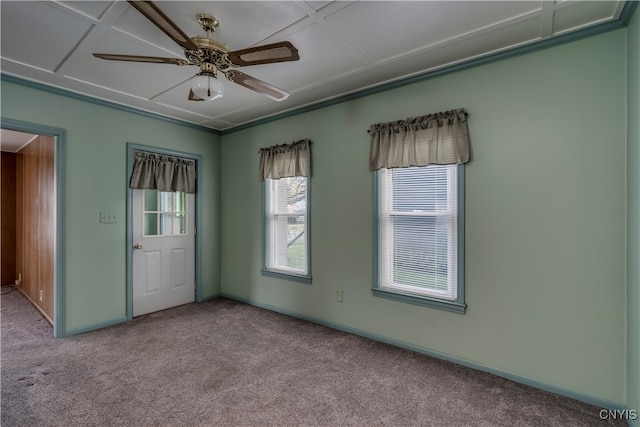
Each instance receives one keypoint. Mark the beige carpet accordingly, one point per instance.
(224, 363)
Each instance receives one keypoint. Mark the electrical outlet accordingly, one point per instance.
(41, 295)
(339, 295)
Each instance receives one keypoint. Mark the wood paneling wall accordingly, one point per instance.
(35, 213)
(8, 218)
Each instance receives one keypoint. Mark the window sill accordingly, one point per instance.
(287, 276)
(452, 306)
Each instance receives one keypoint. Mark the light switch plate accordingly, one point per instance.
(107, 217)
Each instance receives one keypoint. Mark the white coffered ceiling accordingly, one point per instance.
(344, 46)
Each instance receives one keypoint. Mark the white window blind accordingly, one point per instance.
(417, 228)
(286, 225)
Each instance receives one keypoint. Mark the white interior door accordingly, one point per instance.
(164, 250)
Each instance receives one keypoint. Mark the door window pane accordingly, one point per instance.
(150, 224)
(166, 201)
(150, 200)
(164, 213)
(182, 221)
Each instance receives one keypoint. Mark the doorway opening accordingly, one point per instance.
(32, 201)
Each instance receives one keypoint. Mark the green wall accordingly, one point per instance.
(96, 180)
(545, 218)
(633, 214)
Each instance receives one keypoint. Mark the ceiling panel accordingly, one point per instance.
(249, 112)
(314, 67)
(373, 26)
(453, 53)
(317, 5)
(92, 9)
(476, 47)
(44, 45)
(577, 15)
(142, 80)
(135, 24)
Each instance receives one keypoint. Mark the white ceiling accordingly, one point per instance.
(13, 141)
(344, 46)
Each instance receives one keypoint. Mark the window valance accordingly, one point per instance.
(439, 138)
(164, 173)
(286, 160)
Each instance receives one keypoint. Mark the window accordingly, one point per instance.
(286, 239)
(419, 235)
(164, 213)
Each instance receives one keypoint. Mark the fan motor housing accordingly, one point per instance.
(211, 51)
(206, 43)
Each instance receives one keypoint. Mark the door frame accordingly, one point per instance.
(131, 147)
(59, 250)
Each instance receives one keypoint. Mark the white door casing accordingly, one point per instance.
(164, 250)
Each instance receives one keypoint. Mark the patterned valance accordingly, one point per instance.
(439, 138)
(286, 160)
(163, 173)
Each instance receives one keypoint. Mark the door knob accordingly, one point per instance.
(138, 246)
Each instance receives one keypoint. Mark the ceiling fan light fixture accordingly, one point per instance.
(207, 87)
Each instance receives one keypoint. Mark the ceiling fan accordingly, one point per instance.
(212, 56)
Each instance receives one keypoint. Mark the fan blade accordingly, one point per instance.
(265, 54)
(160, 20)
(256, 85)
(193, 97)
(137, 58)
